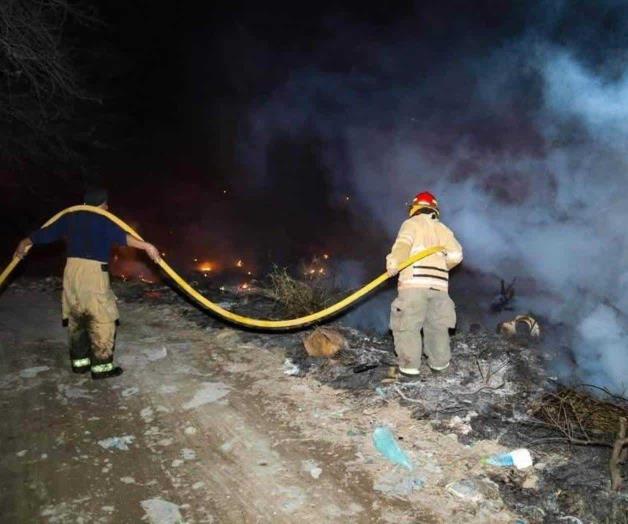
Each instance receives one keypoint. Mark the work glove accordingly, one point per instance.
(22, 248)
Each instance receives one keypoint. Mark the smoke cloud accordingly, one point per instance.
(522, 137)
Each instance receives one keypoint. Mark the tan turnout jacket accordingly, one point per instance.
(416, 234)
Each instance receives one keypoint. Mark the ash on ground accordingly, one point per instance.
(491, 391)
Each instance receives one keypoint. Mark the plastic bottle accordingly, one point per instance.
(385, 442)
(519, 458)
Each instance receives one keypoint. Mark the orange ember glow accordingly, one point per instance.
(205, 267)
(239, 263)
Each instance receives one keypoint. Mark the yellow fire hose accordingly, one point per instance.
(215, 308)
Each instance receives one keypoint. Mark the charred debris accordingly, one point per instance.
(497, 388)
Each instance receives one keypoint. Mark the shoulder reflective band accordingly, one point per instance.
(102, 368)
(81, 362)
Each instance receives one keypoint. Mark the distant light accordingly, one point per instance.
(239, 263)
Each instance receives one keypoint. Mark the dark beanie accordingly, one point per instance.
(96, 196)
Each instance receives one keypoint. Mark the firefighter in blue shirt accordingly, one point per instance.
(88, 303)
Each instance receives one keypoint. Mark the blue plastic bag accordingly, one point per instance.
(386, 443)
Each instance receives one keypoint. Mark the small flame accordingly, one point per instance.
(205, 267)
(239, 263)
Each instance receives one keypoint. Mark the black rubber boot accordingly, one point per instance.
(115, 372)
(80, 369)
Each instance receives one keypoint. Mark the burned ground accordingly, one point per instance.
(493, 391)
(305, 425)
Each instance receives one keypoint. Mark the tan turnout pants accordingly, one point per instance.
(89, 306)
(428, 309)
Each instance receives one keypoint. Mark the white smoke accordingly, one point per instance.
(549, 203)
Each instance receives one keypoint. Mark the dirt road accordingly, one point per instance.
(204, 427)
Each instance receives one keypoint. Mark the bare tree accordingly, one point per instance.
(39, 87)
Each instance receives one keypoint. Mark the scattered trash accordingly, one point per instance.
(399, 484)
(474, 489)
(161, 511)
(130, 391)
(156, 354)
(385, 442)
(519, 458)
(324, 342)
(208, 392)
(290, 368)
(33, 372)
(311, 467)
(364, 367)
(147, 414)
(188, 454)
(570, 519)
(381, 392)
(520, 325)
(121, 443)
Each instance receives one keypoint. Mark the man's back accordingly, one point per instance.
(88, 235)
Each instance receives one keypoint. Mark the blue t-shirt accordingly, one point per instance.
(87, 235)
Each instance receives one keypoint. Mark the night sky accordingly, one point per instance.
(184, 91)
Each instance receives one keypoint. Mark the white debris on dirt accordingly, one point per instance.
(127, 480)
(74, 511)
(190, 430)
(157, 354)
(311, 467)
(208, 392)
(159, 511)
(188, 454)
(399, 482)
(130, 391)
(147, 414)
(22, 453)
(67, 392)
(290, 368)
(120, 443)
(33, 372)
(473, 490)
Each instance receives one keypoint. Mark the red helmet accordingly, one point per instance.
(424, 200)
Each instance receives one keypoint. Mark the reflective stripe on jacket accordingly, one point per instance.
(416, 234)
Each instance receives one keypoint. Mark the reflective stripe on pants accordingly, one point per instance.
(102, 368)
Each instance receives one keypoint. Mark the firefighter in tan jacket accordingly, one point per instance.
(423, 301)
